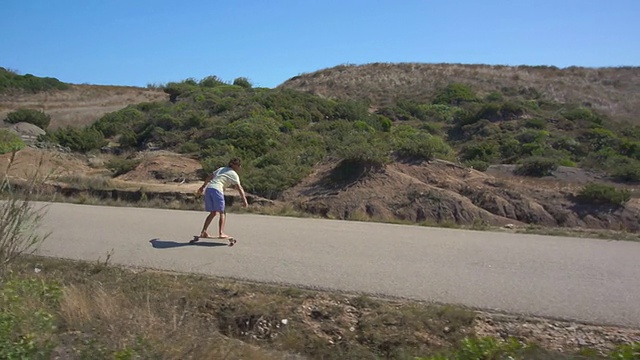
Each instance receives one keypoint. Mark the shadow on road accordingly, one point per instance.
(168, 244)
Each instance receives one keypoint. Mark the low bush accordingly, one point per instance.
(31, 116)
(81, 140)
(11, 81)
(536, 166)
(579, 113)
(242, 82)
(486, 151)
(538, 124)
(629, 172)
(454, 94)
(601, 194)
(27, 322)
(10, 142)
(477, 165)
(422, 145)
(120, 166)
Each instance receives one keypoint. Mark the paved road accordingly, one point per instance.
(594, 281)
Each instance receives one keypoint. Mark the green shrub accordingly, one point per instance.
(119, 166)
(481, 129)
(626, 352)
(128, 139)
(532, 136)
(422, 145)
(366, 149)
(385, 124)
(271, 174)
(570, 145)
(533, 149)
(168, 122)
(477, 165)
(489, 112)
(537, 166)
(630, 148)
(27, 330)
(176, 90)
(31, 116)
(254, 136)
(118, 122)
(601, 194)
(82, 140)
(350, 110)
(211, 82)
(431, 128)
(628, 172)
(10, 80)
(454, 94)
(189, 147)
(538, 124)
(360, 151)
(494, 96)
(10, 142)
(497, 111)
(512, 110)
(242, 82)
(567, 162)
(486, 151)
(485, 348)
(600, 138)
(602, 159)
(489, 348)
(579, 113)
(510, 149)
(313, 147)
(395, 113)
(441, 112)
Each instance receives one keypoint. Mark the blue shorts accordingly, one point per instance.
(213, 200)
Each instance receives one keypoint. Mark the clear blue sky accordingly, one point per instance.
(138, 42)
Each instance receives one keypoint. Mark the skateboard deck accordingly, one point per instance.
(231, 240)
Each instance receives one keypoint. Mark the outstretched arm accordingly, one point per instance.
(244, 196)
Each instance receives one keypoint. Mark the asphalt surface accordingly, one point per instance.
(587, 280)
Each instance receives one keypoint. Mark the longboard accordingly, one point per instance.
(231, 240)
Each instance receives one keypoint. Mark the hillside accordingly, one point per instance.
(515, 155)
(78, 105)
(614, 91)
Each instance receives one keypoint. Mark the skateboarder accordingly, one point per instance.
(222, 178)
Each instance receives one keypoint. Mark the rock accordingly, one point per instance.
(27, 130)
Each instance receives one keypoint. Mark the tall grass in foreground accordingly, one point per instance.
(26, 327)
(19, 219)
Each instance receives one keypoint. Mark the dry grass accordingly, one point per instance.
(106, 312)
(608, 234)
(81, 104)
(86, 182)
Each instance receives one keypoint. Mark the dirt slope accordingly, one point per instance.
(443, 192)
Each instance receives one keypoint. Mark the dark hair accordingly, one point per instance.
(234, 161)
